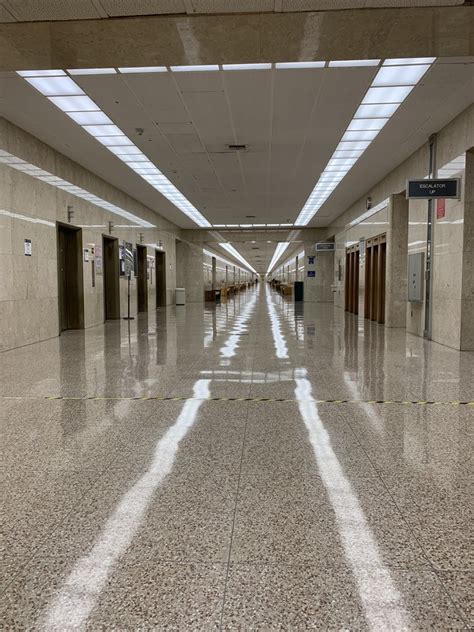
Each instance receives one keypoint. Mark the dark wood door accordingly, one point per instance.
(160, 279)
(111, 278)
(142, 285)
(70, 278)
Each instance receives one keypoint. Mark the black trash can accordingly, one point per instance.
(298, 291)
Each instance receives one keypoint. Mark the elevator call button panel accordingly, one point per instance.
(415, 277)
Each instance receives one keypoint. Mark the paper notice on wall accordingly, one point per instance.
(98, 259)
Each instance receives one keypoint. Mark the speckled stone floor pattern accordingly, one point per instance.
(193, 514)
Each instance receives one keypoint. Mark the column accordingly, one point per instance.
(214, 266)
(190, 271)
(467, 292)
(397, 262)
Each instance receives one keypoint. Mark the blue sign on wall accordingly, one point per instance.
(311, 273)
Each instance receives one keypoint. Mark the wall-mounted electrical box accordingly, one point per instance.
(416, 275)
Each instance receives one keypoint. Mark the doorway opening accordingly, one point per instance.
(160, 278)
(351, 294)
(142, 284)
(375, 262)
(110, 253)
(70, 277)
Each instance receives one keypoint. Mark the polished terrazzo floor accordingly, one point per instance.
(140, 514)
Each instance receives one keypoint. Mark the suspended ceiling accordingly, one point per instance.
(289, 120)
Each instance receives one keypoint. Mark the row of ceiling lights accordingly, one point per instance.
(45, 176)
(65, 94)
(390, 87)
(287, 65)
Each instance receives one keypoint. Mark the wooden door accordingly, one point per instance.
(142, 283)
(110, 253)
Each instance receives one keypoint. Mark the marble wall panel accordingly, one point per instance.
(29, 209)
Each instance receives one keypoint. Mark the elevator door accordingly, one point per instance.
(351, 295)
(70, 278)
(110, 254)
(160, 279)
(375, 274)
(142, 284)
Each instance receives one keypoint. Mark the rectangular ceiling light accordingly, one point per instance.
(395, 94)
(353, 63)
(143, 69)
(41, 73)
(376, 111)
(92, 71)
(90, 118)
(409, 61)
(400, 75)
(279, 250)
(390, 87)
(72, 189)
(246, 66)
(201, 68)
(352, 144)
(125, 150)
(366, 124)
(348, 153)
(231, 250)
(115, 141)
(103, 130)
(55, 86)
(360, 135)
(133, 158)
(300, 64)
(74, 104)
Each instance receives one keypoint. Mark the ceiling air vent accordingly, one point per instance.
(233, 147)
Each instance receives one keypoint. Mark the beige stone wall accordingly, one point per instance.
(452, 264)
(29, 209)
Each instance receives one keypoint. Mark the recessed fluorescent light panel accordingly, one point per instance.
(40, 174)
(41, 73)
(55, 86)
(65, 94)
(392, 84)
(300, 64)
(226, 261)
(231, 250)
(353, 63)
(92, 71)
(279, 250)
(208, 68)
(141, 69)
(246, 66)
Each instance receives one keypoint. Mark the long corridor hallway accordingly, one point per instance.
(256, 464)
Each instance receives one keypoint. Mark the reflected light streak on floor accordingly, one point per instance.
(381, 600)
(278, 339)
(229, 349)
(76, 599)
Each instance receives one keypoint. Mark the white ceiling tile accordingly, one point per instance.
(202, 81)
(185, 143)
(176, 128)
